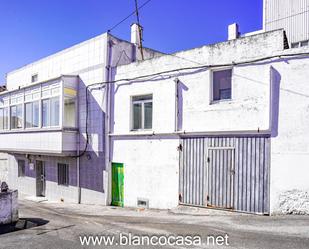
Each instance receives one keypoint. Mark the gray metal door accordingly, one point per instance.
(225, 172)
(40, 178)
(220, 177)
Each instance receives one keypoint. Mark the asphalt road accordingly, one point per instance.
(55, 226)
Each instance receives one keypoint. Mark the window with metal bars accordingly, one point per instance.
(63, 174)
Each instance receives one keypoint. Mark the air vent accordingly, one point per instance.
(142, 203)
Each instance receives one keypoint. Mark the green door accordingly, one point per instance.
(117, 184)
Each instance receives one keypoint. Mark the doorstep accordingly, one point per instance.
(37, 199)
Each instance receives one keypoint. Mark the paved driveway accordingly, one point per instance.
(55, 226)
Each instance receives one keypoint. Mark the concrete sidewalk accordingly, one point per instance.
(101, 210)
(59, 225)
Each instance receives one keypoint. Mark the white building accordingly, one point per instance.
(224, 125)
(52, 130)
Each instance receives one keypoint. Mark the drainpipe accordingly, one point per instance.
(107, 121)
(78, 151)
(78, 170)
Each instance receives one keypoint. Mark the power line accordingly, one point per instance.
(202, 67)
(136, 12)
(171, 71)
(126, 18)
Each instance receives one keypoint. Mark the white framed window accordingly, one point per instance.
(32, 114)
(45, 105)
(221, 85)
(63, 174)
(33, 93)
(141, 112)
(4, 118)
(70, 112)
(51, 112)
(17, 116)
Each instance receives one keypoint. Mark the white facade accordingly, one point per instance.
(151, 157)
(290, 147)
(267, 99)
(3, 167)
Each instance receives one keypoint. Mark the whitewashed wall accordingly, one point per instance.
(3, 167)
(151, 164)
(25, 185)
(290, 149)
(151, 171)
(248, 111)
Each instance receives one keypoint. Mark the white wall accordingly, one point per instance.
(44, 142)
(3, 167)
(151, 164)
(151, 171)
(25, 185)
(248, 111)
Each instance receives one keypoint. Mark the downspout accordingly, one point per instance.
(78, 170)
(107, 120)
(78, 151)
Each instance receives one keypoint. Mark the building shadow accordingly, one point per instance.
(275, 100)
(22, 224)
(181, 87)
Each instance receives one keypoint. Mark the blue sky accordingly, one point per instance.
(32, 29)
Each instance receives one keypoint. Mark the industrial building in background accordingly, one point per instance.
(221, 126)
(290, 15)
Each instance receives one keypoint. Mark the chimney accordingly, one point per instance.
(233, 31)
(135, 33)
(136, 39)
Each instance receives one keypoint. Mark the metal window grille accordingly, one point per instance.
(63, 174)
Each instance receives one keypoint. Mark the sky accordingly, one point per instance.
(33, 29)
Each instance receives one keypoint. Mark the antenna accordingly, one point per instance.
(139, 30)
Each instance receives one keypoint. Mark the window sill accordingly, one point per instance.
(141, 131)
(227, 101)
